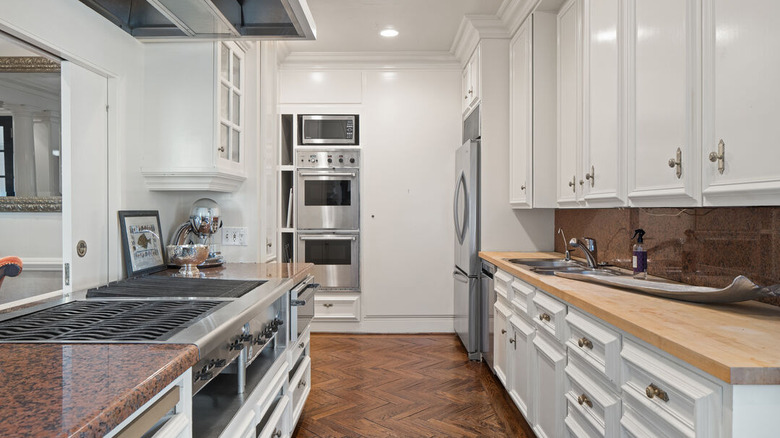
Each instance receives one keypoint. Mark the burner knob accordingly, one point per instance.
(341, 160)
(217, 363)
(236, 345)
(204, 376)
(268, 332)
(330, 160)
(259, 340)
(278, 321)
(246, 337)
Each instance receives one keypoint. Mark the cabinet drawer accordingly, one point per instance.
(266, 402)
(300, 386)
(549, 315)
(274, 426)
(523, 301)
(596, 344)
(658, 387)
(648, 425)
(502, 284)
(592, 404)
(337, 307)
(301, 346)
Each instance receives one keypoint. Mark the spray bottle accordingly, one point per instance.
(640, 255)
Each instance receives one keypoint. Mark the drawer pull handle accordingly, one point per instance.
(503, 331)
(301, 383)
(277, 434)
(654, 391)
(328, 305)
(544, 317)
(584, 400)
(585, 342)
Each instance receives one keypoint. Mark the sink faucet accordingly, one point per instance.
(565, 244)
(588, 246)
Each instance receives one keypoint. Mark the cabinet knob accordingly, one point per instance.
(277, 433)
(677, 162)
(585, 342)
(573, 183)
(328, 305)
(544, 317)
(653, 391)
(522, 187)
(471, 91)
(584, 400)
(591, 176)
(512, 341)
(301, 383)
(221, 149)
(301, 345)
(720, 156)
(503, 331)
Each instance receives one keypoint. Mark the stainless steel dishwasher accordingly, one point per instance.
(488, 298)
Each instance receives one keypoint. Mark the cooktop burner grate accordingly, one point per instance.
(169, 287)
(106, 321)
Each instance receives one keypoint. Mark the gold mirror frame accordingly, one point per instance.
(28, 64)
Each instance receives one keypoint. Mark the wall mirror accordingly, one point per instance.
(30, 129)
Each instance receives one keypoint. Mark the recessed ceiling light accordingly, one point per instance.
(388, 33)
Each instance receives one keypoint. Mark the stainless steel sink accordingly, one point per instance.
(546, 263)
(580, 270)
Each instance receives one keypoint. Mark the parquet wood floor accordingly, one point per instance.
(403, 386)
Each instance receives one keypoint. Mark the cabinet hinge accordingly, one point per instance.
(66, 270)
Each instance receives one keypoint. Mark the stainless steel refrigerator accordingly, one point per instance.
(470, 324)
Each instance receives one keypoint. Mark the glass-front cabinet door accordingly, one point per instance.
(230, 101)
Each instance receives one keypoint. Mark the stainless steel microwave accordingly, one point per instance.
(328, 129)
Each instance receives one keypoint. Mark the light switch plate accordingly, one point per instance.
(234, 236)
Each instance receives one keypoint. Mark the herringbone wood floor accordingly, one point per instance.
(403, 386)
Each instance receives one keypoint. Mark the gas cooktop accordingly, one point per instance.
(174, 287)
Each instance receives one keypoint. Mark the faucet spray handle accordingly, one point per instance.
(565, 244)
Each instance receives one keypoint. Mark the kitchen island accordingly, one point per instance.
(88, 389)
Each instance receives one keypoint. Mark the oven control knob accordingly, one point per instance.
(352, 160)
(260, 340)
(330, 160)
(341, 160)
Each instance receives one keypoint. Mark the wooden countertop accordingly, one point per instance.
(736, 343)
(85, 390)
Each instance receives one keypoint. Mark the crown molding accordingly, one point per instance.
(370, 60)
(514, 12)
(474, 28)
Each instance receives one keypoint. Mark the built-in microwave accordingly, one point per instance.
(328, 129)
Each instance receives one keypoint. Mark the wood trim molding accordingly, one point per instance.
(28, 64)
(21, 204)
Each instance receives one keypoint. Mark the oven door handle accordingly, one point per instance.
(327, 237)
(329, 174)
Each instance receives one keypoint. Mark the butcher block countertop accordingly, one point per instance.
(737, 343)
(86, 390)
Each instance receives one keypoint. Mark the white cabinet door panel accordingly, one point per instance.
(522, 350)
(569, 104)
(664, 43)
(521, 118)
(741, 64)
(549, 363)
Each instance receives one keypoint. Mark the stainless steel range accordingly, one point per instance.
(230, 321)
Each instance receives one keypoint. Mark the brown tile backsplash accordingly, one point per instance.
(700, 246)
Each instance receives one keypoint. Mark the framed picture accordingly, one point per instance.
(142, 242)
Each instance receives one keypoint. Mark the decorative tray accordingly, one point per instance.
(741, 289)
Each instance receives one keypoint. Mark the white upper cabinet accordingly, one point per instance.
(471, 82)
(521, 117)
(741, 67)
(604, 157)
(195, 122)
(570, 178)
(663, 78)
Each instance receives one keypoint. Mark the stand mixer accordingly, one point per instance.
(204, 222)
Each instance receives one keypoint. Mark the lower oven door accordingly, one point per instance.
(335, 257)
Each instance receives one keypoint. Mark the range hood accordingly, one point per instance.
(151, 20)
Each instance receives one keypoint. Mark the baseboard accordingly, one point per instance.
(438, 324)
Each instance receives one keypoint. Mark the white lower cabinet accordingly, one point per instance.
(522, 336)
(500, 340)
(549, 363)
(591, 403)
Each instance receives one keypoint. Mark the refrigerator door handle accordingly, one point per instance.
(460, 232)
(460, 276)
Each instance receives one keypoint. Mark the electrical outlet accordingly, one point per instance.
(234, 236)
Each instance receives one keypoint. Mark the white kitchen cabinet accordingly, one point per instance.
(603, 148)
(321, 87)
(570, 179)
(532, 114)
(337, 307)
(663, 42)
(521, 117)
(549, 363)
(741, 64)
(470, 82)
(501, 315)
(592, 404)
(196, 126)
(521, 349)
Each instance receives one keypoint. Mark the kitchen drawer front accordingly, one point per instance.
(591, 401)
(275, 426)
(549, 315)
(648, 425)
(523, 301)
(300, 386)
(680, 397)
(596, 344)
(578, 427)
(301, 346)
(502, 283)
(337, 307)
(274, 387)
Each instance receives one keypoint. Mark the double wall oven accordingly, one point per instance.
(328, 206)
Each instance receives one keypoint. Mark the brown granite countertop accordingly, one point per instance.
(254, 271)
(736, 343)
(82, 390)
(85, 390)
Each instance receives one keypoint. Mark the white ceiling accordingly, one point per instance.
(354, 25)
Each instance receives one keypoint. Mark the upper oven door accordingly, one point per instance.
(328, 199)
(329, 129)
(335, 258)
